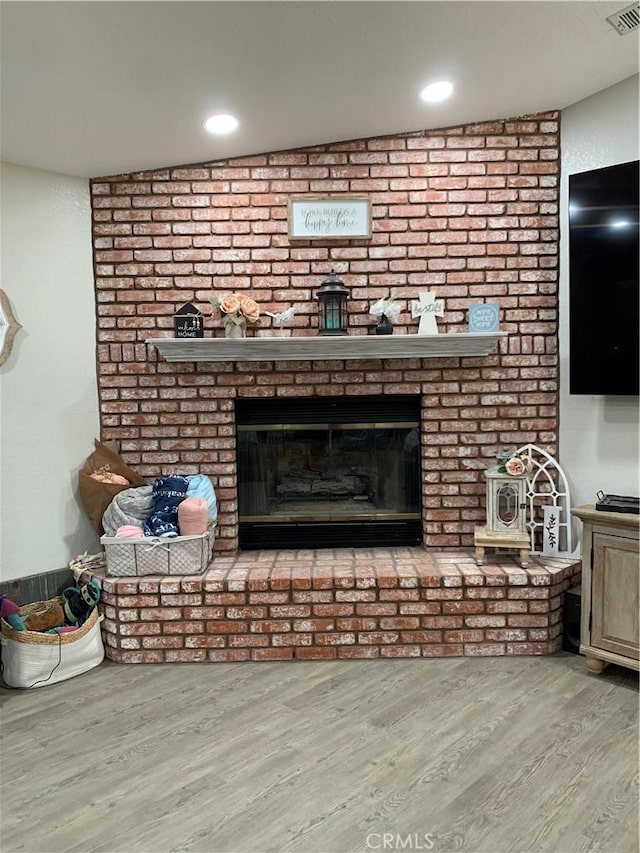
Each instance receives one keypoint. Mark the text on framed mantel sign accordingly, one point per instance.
(329, 217)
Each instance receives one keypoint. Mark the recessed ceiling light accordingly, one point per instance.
(221, 124)
(435, 92)
(620, 223)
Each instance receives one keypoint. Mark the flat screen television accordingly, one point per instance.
(604, 327)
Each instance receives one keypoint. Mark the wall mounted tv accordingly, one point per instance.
(604, 326)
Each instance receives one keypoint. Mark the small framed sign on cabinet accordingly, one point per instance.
(329, 217)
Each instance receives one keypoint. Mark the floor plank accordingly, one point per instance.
(504, 755)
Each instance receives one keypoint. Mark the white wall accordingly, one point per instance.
(48, 389)
(598, 435)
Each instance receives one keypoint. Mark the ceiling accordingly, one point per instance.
(102, 88)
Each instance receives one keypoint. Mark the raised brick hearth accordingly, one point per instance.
(342, 603)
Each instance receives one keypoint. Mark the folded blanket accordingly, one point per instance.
(129, 507)
(129, 531)
(200, 486)
(167, 494)
(193, 517)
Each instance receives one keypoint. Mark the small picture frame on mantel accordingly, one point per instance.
(484, 318)
(321, 217)
(188, 322)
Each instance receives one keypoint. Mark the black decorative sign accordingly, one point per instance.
(188, 322)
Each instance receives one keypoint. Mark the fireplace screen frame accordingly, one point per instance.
(315, 473)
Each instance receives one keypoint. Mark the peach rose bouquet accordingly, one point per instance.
(516, 465)
(237, 311)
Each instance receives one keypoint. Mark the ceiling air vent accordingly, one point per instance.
(627, 20)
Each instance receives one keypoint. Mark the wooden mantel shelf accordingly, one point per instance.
(328, 347)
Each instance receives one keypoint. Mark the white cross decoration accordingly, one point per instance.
(427, 308)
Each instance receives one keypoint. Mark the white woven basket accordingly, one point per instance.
(35, 659)
(149, 555)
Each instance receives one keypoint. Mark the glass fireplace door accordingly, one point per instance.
(329, 483)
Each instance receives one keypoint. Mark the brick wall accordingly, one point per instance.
(471, 212)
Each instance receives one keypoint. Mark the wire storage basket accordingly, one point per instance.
(150, 555)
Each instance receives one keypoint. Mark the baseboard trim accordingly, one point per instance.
(38, 587)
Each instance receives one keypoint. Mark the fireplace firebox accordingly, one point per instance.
(338, 472)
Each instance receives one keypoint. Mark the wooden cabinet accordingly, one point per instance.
(610, 583)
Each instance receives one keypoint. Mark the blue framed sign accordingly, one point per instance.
(484, 317)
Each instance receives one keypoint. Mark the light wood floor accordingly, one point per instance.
(496, 754)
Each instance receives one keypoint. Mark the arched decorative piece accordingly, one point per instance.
(547, 490)
(9, 326)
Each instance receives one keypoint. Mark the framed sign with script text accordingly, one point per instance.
(187, 322)
(329, 217)
(484, 317)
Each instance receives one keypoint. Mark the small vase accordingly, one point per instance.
(234, 326)
(384, 326)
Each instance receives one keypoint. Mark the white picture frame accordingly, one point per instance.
(322, 217)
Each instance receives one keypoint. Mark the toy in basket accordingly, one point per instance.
(151, 555)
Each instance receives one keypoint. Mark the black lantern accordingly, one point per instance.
(332, 306)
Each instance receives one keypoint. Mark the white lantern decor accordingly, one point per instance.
(506, 525)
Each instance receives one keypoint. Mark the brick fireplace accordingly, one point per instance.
(470, 212)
